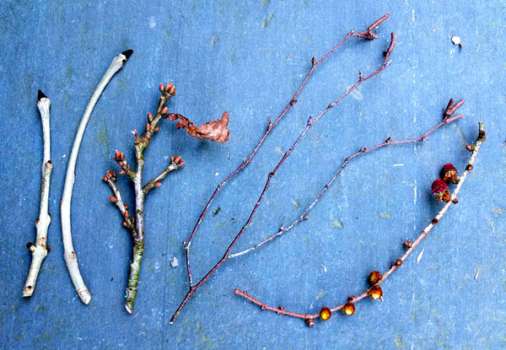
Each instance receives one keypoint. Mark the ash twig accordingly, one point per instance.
(368, 34)
(39, 249)
(70, 254)
(410, 248)
(311, 121)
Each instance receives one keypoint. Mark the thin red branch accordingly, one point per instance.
(410, 248)
(369, 34)
(346, 161)
(311, 121)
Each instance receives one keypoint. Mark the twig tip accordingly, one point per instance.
(40, 95)
(127, 53)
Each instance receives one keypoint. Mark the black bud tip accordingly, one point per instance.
(127, 53)
(40, 95)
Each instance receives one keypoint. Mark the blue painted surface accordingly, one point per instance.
(247, 58)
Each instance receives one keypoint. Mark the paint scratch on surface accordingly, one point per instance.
(174, 262)
(356, 93)
(398, 164)
(420, 256)
(385, 215)
(152, 22)
(413, 15)
(476, 273)
(267, 20)
(415, 192)
(324, 268)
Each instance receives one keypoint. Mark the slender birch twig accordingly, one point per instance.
(448, 119)
(135, 225)
(312, 120)
(39, 249)
(375, 291)
(70, 254)
(368, 34)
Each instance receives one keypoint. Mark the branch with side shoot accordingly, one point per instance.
(368, 34)
(312, 120)
(214, 130)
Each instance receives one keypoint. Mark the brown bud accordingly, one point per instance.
(470, 147)
(375, 293)
(178, 161)
(113, 199)
(309, 322)
(407, 244)
(348, 309)
(449, 174)
(374, 277)
(325, 313)
(398, 262)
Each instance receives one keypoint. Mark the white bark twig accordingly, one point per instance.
(39, 249)
(69, 252)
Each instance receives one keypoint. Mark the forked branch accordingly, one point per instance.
(312, 120)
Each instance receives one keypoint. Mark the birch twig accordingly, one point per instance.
(39, 249)
(69, 251)
(311, 121)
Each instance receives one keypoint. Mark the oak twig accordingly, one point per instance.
(409, 245)
(135, 225)
(70, 254)
(193, 287)
(39, 249)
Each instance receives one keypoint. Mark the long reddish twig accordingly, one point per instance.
(375, 291)
(448, 119)
(368, 34)
(309, 124)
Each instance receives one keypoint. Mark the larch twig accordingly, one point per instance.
(311, 121)
(39, 249)
(410, 247)
(70, 254)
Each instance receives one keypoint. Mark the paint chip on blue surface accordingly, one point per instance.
(174, 262)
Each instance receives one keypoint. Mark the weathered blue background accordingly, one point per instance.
(247, 58)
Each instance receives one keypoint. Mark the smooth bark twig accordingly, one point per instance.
(346, 161)
(311, 121)
(70, 254)
(368, 34)
(310, 318)
(39, 249)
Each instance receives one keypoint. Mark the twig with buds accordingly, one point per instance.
(368, 34)
(311, 121)
(39, 249)
(216, 130)
(70, 254)
(376, 278)
(389, 141)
